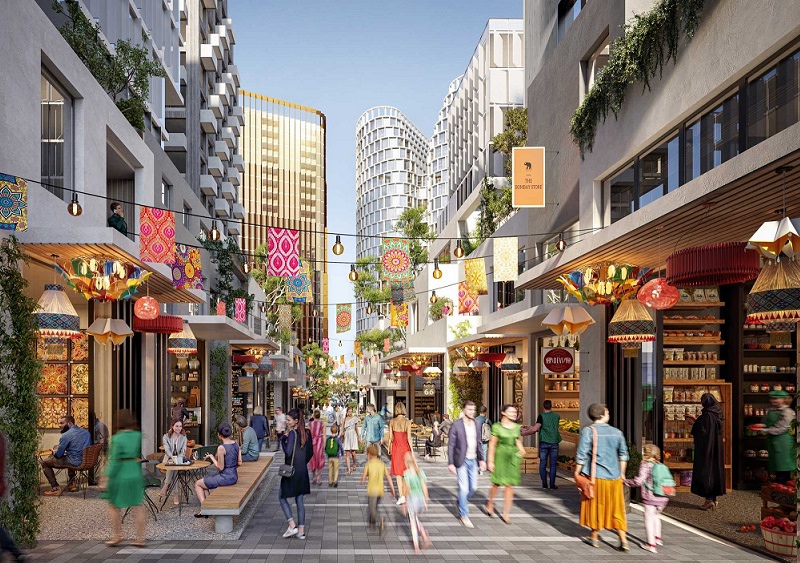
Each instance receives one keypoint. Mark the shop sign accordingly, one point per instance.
(245, 385)
(527, 177)
(558, 360)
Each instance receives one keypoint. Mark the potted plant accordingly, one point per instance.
(442, 308)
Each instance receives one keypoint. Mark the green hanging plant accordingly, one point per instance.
(218, 383)
(650, 41)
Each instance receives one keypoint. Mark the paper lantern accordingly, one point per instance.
(713, 264)
(146, 308)
(478, 365)
(163, 324)
(631, 325)
(510, 363)
(431, 372)
(658, 294)
(774, 238)
(775, 297)
(603, 284)
(460, 366)
(250, 368)
(183, 343)
(115, 330)
(571, 319)
(56, 317)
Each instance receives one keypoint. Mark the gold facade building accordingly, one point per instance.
(284, 185)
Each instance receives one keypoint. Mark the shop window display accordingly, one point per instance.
(65, 385)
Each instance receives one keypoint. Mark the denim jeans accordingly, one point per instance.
(548, 450)
(301, 510)
(467, 483)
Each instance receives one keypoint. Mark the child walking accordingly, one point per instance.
(657, 485)
(416, 492)
(334, 451)
(375, 473)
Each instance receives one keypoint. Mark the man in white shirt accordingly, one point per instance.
(466, 455)
(280, 424)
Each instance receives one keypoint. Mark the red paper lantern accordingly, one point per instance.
(713, 264)
(146, 308)
(658, 294)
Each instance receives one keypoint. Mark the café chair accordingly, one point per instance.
(91, 458)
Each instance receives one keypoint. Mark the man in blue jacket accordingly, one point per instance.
(68, 455)
(466, 455)
(372, 429)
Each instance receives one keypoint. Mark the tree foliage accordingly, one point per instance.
(495, 207)
(412, 223)
(372, 340)
(275, 289)
(218, 384)
(224, 256)
(515, 134)
(368, 287)
(318, 371)
(442, 308)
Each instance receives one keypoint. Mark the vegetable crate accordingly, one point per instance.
(780, 543)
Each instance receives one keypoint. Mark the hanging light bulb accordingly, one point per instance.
(263, 308)
(338, 247)
(437, 273)
(459, 251)
(433, 298)
(369, 309)
(214, 234)
(74, 207)
(561, 245)
(340, 344)
(353, 275)
(246, 267)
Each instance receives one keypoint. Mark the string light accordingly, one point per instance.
(561, 245)
(340, 344)
(369, 309)
(74, 207)
(353, 275)
(246, 267)
(433, 298)
(214, 234)
(437, 273)
(338, 247)
(459, 251)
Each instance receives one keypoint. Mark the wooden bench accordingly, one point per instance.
(223, 503)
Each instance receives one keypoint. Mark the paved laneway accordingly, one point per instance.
(543, 528)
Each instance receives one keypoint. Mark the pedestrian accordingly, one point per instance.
(603, 448)
(227, 461)
(180, 411)
(505, 454)
(7, 544)
(249, 440)
(258, 422)
(399, 444)
(350, 439)
(434, 440)
(372, 429)
(297, 451)
(280, 424)
(446, 424)
(124, 486)
(708, 469)
(117, 219)
(375, 473)
(466, 456)
(654, 494)
(317, 462)
(417, 494)
(781, 445)
(547, 423)
(174, 443)
(486, 431)
(334, 451)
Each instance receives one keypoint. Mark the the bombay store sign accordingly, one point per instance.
(558, 360)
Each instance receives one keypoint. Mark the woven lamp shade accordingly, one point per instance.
(713, 264)
(56, 317)
(658, 294)
(631, 325)
(182, 343)
(775, 297)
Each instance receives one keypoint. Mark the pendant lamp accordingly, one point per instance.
(631, 325)
(460, 366)
(712, 264)
(478, 365)
(250, 368)
(56, 317)
(571, 319)
(115, 330)
(510, 363)
(774, 238)
(432, 372)
(182, 343)
(775, 297)
(146, 308)
(658, 294)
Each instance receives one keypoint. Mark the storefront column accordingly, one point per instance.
(149, 382)
(593, 363)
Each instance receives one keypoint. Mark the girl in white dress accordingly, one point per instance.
(350, 439)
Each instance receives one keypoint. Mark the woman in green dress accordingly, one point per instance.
(125, 485)
(505, 454)
(781, 444)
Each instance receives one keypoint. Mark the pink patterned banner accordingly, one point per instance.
(240, 309)
(283, 247)
(221, 308)
(467, 301)
(326, 346)
(156, 235)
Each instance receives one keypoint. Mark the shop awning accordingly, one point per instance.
(267, 345)
(530, 320)
(42, 243)
(408, 353)
(707, 210)
(485, 340)
(217, 327)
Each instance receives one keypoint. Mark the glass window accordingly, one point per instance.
(595, 64)
(166, 195)
(773, 100)
(621, 194)
(185, 216)
(56, 137)
(658, 172)
(712, 139)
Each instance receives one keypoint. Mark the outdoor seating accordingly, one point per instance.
(223, 503)
(91, 458)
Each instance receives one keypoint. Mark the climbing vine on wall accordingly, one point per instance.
(218, 383)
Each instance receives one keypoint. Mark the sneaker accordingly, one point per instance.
(466, 522)
(301, 536)
(290, 532)
(648, 547)
(57, 492)
(336, 485)
(554, 487)
(401, 500)
(72, 488)
(544, 486)
(658, 541)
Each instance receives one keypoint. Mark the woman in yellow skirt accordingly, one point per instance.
(606, 511)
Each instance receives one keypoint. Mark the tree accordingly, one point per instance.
(223, 255)
(495, 206)
(341, 387)
(275, 289)
(368, 287)
(372, 340)
(413, 225)
(318, 372)
(515, 134)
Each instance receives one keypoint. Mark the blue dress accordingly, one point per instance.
(229, 474)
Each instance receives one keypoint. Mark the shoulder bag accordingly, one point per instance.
(288, 470)
(585, 484)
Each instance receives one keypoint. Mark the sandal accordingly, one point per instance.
(489, 511)
(115, 541)
(505, 520)
(588, 540)
(199, 515)
(139, 544)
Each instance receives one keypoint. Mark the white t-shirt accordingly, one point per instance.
(472, 438)
(280, 423)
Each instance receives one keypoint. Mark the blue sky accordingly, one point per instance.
(343, 57)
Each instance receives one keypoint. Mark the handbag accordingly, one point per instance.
(585, 484)
(288, 470)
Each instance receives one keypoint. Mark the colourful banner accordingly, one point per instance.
(298, 288)
(395, 260)
(527, 177)
(283, 248)
(399, 315)
(240, 309)
(156, 235)
(285, 316)
(344, 317)
(326, 346)
(357, 347)
(187, 272)
(475, 273)
(467, 302)
(13, 203)
(221, 308)
(506, 250)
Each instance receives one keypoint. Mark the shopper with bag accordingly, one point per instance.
(601, 461)
(297, 451)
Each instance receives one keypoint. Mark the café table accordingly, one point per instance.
(185, 476)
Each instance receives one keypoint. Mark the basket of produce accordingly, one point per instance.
(780, 535)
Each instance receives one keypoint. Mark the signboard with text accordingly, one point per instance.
(527, 177)
(558, 360)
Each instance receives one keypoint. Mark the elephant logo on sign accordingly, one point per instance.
(527, 166)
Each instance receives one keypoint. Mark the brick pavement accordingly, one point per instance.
(543, 528)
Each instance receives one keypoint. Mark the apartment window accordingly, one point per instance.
(166, 195)
(595, 64)
(773, 100)
(568, 10)
(622, 195)
(56, 137)
(712, 139)
(186, 215)
(658, 172)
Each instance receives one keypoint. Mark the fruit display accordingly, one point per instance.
(568, 425)
(567, 462)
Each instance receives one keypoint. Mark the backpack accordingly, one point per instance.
(332, 447)
(486, 432)
(661, 482)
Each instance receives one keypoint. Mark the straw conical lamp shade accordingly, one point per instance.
(775, 297)
(631, 325)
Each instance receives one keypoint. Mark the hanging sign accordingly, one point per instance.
(558, 360)
(527, 177)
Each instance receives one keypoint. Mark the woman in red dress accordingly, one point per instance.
(399, 444)
(317, 461)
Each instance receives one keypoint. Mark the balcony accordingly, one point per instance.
(230, 83)
(234, 228)
(234, 177)
(207, 57)
(237, 112)
(222, 208)
(228, 191)
(209, 4)
(221, 90)
(215, 105)
(207, 121)
(222, 151)
(229, 137)
(238, 162)
(229, 26)
(208, 185)
(176, 142)
(233, 123)
(183, 75)
(222, 32)
(215, 167)
(234, 71)
(238, 210)
(215, 41)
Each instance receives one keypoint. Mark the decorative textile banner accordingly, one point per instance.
(156, 235)
(399, 315)
(352, 364)
(221, 309)
(240, 309)
(387, 344)
(475, 270)
(285, 316)
(187, 272)
(298, 288)
(467, 301)
(395, 260)
(344, 316)
(505, 259)
(326, 346)
(397, 293)
(341, 359)
(408, 291)
(13, 203)
(283, 247)
(527, 177)
(357, 348)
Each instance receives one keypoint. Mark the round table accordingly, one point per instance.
(185, 475)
